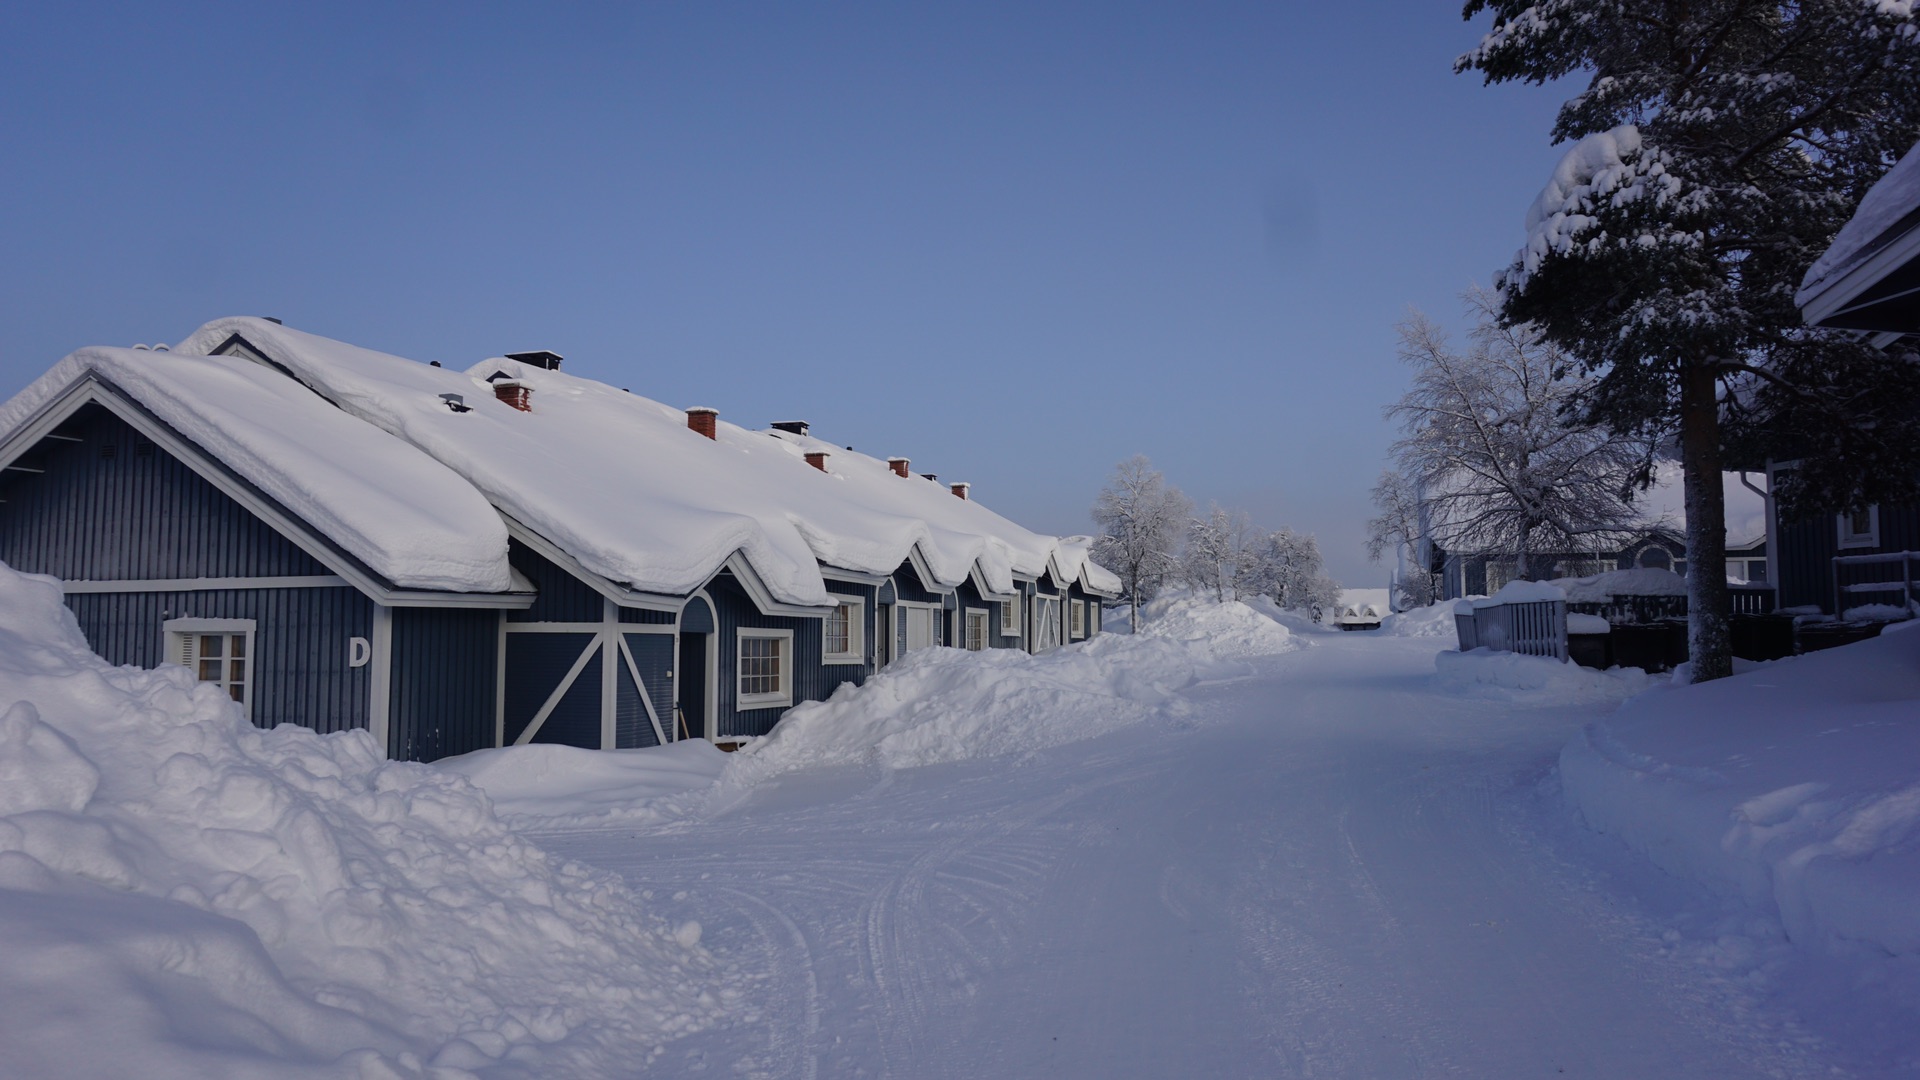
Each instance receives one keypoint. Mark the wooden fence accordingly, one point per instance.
(1535, 628)
(1891, 577)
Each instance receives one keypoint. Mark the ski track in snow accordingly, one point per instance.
(1332, 872)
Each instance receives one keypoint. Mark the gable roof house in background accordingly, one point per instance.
(455, 560)
(1868, 281)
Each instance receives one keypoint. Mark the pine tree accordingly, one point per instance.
(1720, 146)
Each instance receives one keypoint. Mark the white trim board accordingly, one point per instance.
(205, 584)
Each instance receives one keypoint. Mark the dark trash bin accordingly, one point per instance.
(1762, 637)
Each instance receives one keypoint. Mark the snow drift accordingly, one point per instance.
(939, 705)
(182, 894)
(1791, 786)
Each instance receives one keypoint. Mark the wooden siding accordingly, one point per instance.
(535, 665)
(443, 667)
(576, 720)
(812, 681)
(653, 656)
(909, 587)
(1807, 548)
(301, 644)
(139, 514)
(563, 597)
(644, 616)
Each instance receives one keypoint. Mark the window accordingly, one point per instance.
(1079, 619)
(1010, 616)
(218, 651)
(766, 668)
(976, 629)
(845, 633)
(1861, 528)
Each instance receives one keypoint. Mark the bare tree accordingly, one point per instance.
(1399, 528)
(1141, 520)
(1492, 439)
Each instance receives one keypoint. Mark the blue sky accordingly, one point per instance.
(1015, 243)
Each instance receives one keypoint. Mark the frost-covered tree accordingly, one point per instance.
(1718, 147)
(1491, 442)
(1222, 554)
(1399, 528)
(1289, 569)
(1141, 521)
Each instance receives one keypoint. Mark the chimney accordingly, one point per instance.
(898, 465)
(540, 358)
(959, 490)
(705, 421)
(515, 393)
(791, 427)
(817, 459)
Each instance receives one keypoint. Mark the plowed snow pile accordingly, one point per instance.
(182, 894)
(938, 705)
(1434, 620)
(1792, 785)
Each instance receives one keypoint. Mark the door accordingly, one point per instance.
(692, 681)
(883, 635)
(919, 628)
(1046, 623)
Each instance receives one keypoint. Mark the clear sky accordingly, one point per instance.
(1015, 243)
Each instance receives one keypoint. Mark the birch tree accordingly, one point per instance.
(1141, 520)
(1493, 439)
(1399, 527)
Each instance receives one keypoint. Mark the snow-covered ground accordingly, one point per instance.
(1226, 846)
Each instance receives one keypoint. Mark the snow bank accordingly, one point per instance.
(1513, 676)
(941, 705)
(1434, 620)
(1792, 785)
(540, 786)
(182, 894)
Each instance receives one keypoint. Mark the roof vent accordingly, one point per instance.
(458, 402)
(817, 459)
(959, 490)
(704, 420)
(514, 393)
(791, 427)
(272, 319)
(935, 477)
(433, 363)
(540, 358)
(898, 465)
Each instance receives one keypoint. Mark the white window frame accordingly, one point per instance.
(1848, 538)
(1010, 616)
(986, 630)
(856, 652)
(1078, 620)
(778, 698)
(182, 648)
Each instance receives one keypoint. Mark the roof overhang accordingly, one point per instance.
(1880, 293)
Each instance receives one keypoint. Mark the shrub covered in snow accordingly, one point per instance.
(182, 894)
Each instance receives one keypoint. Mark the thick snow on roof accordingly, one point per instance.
(619, 482)
(403, 514)
(1896, 195)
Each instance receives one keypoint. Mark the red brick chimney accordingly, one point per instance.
(898, 465)
(705, 421)
(817, 459)
(515, 393)
(959, 490)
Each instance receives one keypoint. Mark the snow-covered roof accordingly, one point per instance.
(1894, 199)
(619, 483)
(407, 517)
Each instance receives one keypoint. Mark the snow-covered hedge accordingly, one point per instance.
(182, 894)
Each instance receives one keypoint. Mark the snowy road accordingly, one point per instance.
(1335, 871)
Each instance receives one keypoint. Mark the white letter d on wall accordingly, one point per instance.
(359, 651)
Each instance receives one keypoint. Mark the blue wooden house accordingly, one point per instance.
(456, 560)
(1867, 282)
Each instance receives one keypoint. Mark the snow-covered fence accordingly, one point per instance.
(1876, 578)
(1525, 617)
